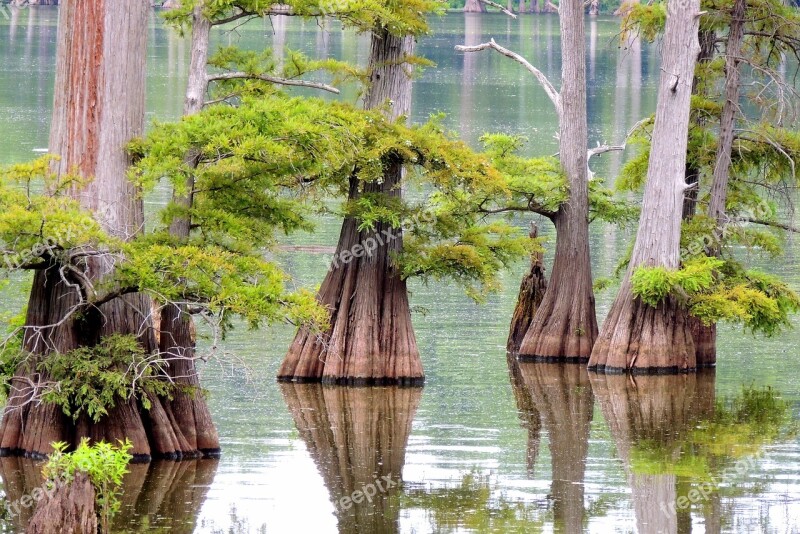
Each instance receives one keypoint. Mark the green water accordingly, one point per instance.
(480, 448)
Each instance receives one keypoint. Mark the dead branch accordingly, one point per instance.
(539, 75)
(498, 6)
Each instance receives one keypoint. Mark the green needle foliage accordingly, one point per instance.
(92, 380)
(104, 464)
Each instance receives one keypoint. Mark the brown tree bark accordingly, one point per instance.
(635, 336)
(370, 339)
(357, 437)
(98, 109)
(531, 293)
(70, 509)
(565, 325)
(559, 399)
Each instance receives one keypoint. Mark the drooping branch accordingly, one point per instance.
(498, 6)
(274, 79)
(548, 87)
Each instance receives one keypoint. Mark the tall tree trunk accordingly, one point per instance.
(722, 166)
(637, 337)
(565, 325)
(98, 108)
(370, 339)
(189, 409)
(704, 337)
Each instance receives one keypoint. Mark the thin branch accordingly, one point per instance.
(782, 226)
(234, 17)
(498, 6)
(540, 77)
(273, 79)
(602, 149)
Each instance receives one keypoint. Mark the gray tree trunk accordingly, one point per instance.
(722, 166)
(564, 326)
(635, 336)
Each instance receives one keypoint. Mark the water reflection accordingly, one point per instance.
(157, 497)
(558, 399)
(357, 437)
(684, 449)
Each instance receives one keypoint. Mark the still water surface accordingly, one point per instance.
(487, 445)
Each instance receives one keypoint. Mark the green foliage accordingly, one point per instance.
(222, 282)
(38, 227)
(715, 290)
(92, 380)
(262, 164)
(654, 284)
(104, 465)
(645, 20)
(400, 17)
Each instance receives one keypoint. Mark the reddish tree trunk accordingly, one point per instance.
(565, 325)
(69, 509)
(635, 336)
(370, 339)
(188, 410)
(99, 107)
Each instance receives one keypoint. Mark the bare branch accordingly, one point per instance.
(273, 79)
(602, 149)
(773, 224)
(540, 77)
(498, 6)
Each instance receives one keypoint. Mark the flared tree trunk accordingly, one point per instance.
(98, 109)
(565, 325)
(357, 437)
(637, 337)
(531, 293)
(371, 339)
